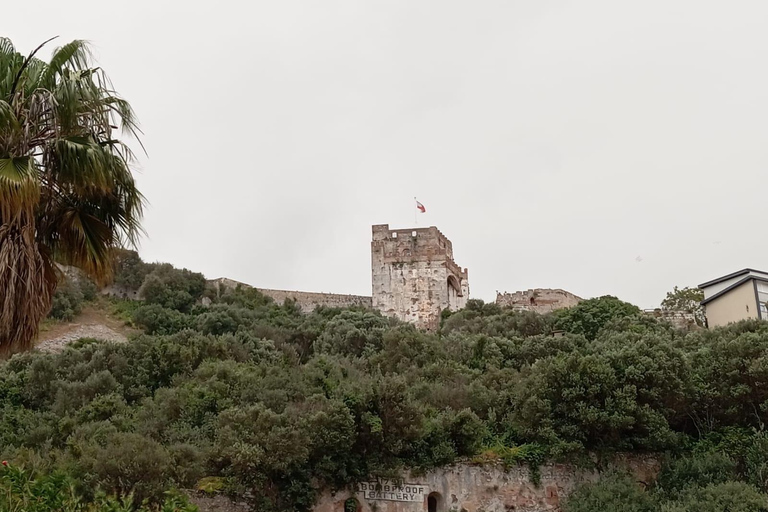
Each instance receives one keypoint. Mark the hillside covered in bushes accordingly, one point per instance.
(257, 400)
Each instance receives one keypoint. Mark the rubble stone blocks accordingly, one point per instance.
(539, 300)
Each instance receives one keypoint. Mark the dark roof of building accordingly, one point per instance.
(730, 276)
(734, 285)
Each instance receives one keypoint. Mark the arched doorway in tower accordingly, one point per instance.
(434, 502)
(351, 505)
(454, 292)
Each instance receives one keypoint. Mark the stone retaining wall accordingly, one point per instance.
(487, 488)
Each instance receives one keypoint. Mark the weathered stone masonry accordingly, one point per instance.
(540, 300)
(307, 301)
(473, 488)
(414, 276)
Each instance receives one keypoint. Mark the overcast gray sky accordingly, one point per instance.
(601, 146)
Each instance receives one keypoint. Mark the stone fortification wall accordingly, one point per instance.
(680, 319)
(307, 301)
(539, 300)
(414, 276)
(471, 488)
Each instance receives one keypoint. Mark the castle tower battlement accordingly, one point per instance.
(414, 275)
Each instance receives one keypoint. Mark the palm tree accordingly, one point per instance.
(67, 193)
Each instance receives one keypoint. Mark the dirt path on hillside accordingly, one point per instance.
(91, 323)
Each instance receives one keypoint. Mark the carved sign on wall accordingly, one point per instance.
(386, 490)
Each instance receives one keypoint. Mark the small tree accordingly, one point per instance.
(589, 316)
(685, 299)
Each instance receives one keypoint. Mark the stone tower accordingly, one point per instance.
(414, 275)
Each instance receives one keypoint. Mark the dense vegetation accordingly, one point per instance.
(73, 292)
(269, 404)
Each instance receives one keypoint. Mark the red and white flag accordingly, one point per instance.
(420, 207)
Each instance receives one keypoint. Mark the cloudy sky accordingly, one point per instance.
(598, 146)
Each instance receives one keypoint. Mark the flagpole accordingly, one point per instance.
(415, 215)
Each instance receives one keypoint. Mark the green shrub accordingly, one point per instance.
(67, 301)
(723, 497)
(130, 270)
(155, 319)
(352, 333)
(27, 491)
(71, 294)
(126, 463)
(614, 492)
(695, 470)
(588, 317)
(172, 288)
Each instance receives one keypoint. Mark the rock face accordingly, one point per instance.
(470, 488)
(414, 276)
(539, 300)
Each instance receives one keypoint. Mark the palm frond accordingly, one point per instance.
(24, 66)
(19, 187)
(73, 55)
(6, 46)
(8, 122)
(85, 241)
(82, 163)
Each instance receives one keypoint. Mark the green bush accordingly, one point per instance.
(588, 317)
(172, 288)
(67, 301)
(155, 319)
(723, 497)
(614, 492)
(27, 491)
(130, 270)
(696, 470)
(127, 463)
(70, 296)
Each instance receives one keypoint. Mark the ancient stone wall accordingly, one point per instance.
(414, 276)
(540, 300)
(472, 488)
(307, 301)
(680, 319)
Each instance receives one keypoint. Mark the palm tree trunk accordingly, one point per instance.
(27, 282)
